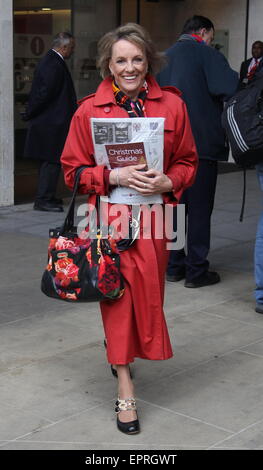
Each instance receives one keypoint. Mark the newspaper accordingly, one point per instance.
(119, 142)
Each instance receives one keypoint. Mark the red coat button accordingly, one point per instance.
(107, 109)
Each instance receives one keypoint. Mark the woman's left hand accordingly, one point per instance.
(150, 182)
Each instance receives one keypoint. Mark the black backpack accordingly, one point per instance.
(242, 120)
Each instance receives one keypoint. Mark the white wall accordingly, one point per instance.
(255, 24)
(6, 105)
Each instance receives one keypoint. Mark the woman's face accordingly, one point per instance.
(128, 65)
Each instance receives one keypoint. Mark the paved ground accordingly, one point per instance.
(56, 388)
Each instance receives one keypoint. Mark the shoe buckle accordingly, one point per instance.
(128, 404)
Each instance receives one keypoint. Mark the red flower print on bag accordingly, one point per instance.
(66, 272)
(72, 271)
(64, 243)
(62, 264)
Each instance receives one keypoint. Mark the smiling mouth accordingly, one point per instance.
(132, 77)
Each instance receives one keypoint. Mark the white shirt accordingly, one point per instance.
(58, 54)
(253, 62)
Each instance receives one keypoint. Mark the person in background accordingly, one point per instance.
(134, 325)
(258, 251)
(256, 72)
(52, 103)
(250, 66)
(206, 80)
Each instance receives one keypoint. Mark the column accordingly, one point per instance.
(6, 105)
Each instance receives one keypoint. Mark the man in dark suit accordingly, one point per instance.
(205, 78)
(250, 66)
(52, 103)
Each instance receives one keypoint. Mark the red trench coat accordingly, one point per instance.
(135, 325)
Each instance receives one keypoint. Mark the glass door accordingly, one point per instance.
(90, 20)
(35, 24)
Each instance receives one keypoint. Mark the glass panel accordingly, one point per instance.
(130, 11)
(35, 24)
(91, 19)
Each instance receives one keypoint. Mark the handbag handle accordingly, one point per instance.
(69, 219)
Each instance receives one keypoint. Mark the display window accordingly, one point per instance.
(35, 24)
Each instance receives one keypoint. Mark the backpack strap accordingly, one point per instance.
(243, 196)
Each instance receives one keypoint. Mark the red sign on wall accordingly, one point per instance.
(33, 24)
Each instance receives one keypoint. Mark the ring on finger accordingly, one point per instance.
(144, 185)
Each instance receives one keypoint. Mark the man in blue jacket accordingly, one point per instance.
(205, 78)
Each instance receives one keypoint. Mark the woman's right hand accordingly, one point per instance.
(120, 176)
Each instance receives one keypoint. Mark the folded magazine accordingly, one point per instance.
(119, 142)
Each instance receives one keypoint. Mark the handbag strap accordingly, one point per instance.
(69, 219)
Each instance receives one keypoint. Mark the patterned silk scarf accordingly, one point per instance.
(134, 108)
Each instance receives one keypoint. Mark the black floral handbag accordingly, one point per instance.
(81, 269)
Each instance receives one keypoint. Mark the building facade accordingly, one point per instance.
(26, 31)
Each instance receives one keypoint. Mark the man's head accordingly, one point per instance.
(257, 49)
(201, 26)
(64, 43)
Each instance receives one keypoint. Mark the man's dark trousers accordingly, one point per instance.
(199, 203)
(48, 177)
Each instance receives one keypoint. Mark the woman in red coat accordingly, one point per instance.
(134, 325)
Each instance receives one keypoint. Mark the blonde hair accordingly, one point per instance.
(135, 34)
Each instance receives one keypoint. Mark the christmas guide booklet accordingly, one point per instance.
(121, 142)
